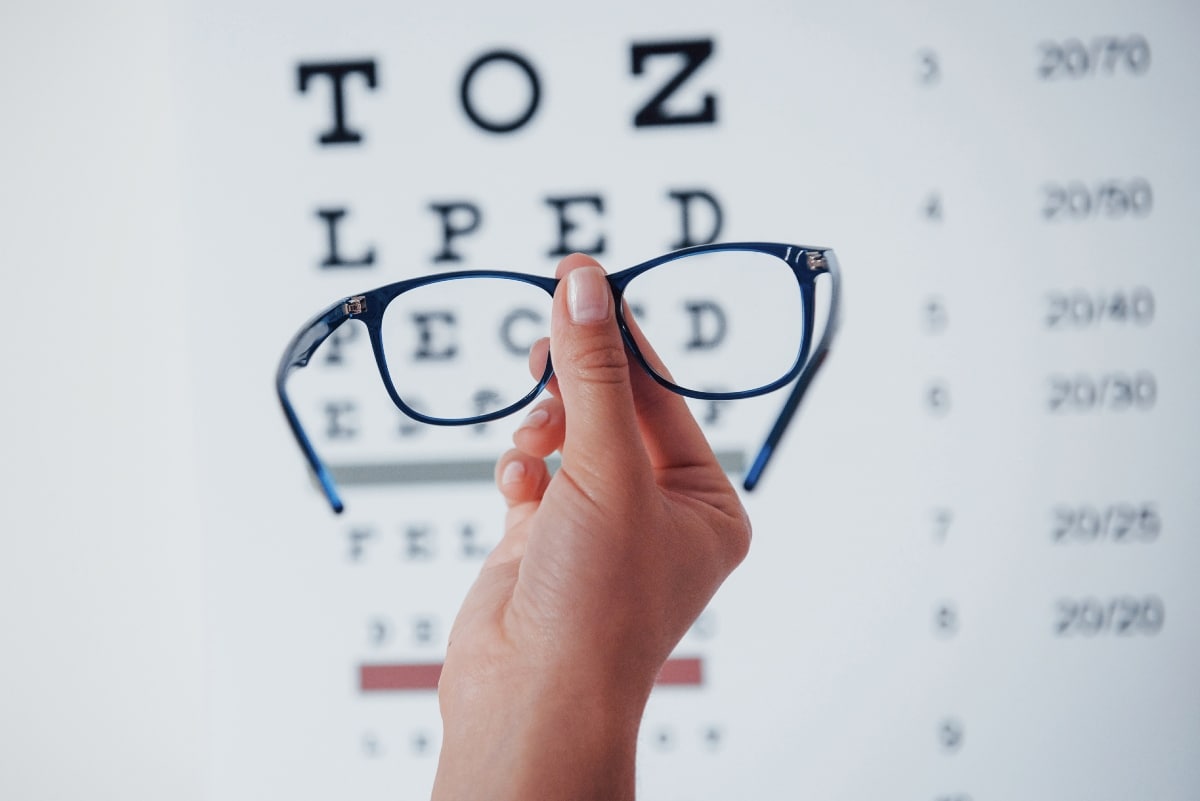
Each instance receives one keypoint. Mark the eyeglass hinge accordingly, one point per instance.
(816, 261)
(355, 305)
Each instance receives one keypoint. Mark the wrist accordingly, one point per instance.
(542, 735)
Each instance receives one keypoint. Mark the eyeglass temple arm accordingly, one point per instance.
(754, 474)
(297, 355)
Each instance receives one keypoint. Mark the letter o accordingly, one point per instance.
(502, 126)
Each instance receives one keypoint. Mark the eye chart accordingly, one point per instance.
(973, 571)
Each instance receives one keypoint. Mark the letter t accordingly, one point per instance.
(337, 71)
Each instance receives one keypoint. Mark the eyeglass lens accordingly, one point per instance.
(459, 349)
(727, 321)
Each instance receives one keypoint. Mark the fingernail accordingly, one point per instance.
(536, 419)
(588, 295)
(513, 473)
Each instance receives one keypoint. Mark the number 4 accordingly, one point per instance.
(942, 517)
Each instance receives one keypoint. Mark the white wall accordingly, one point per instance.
(101, 667)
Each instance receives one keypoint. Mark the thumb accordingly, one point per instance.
(592, 367)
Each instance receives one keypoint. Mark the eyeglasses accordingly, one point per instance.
(728, 321)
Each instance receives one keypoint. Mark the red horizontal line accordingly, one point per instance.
(372, 678)
(682, 672)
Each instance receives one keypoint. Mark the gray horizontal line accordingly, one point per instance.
(459, 471)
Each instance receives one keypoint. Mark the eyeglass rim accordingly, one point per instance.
(377, 301)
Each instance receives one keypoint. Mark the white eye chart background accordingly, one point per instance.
(973, 568)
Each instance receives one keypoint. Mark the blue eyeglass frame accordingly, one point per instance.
(806, 262)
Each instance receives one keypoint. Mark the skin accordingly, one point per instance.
(601, 571)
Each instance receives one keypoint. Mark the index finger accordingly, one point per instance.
(671, 434)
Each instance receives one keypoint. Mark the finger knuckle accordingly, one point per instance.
(736, 540)
(601, 363)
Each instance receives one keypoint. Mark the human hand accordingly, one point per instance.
(600, 572)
